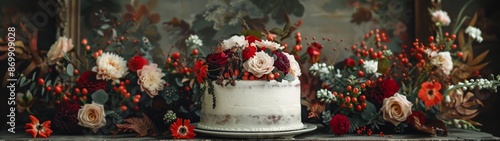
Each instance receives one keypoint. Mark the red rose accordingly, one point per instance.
(340, 124)
(136, 63)
(251, 39)
(314, 51)
(388, 87)
(89, 81)
(218, 59)
(349, 62)
(249, 52)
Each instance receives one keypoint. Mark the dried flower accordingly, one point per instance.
(151, 79)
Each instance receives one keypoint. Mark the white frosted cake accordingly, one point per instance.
(253, 106)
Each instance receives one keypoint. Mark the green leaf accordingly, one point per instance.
(299, 10)
(384, 66)
(252, 32)
(34, 75)
(369, 112)
(100, 97)
(109, 112)
(276, 31)
(179, 81)
(70, 69)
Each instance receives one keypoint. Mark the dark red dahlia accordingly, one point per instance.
(136, 63)
(66, 119)
(89, 81)
(218, 59)
(340, 124)
(281, 63)
(251, 39)
(249, 52)
(416, 114)
(349, 62)
(388, 87)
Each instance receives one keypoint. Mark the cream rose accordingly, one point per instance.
(443, 61)
(260, 64)
(269, 44)
(396, 109)
(294, 66)
(58, 49)
(92, 116)
(441, 17)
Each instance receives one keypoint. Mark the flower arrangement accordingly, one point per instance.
(425, 87)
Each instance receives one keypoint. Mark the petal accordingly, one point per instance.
(32, 132)
(34, 120)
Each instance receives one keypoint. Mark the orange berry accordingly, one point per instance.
(349, 88)
(271, 76)
(347, 99)
(136, 100)
(138, 96)
(355, 90)
(76, 72)
(77, 90)
(354, 100)
(127, 95)
(124, 108)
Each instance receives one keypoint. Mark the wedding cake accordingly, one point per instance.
(253, 106)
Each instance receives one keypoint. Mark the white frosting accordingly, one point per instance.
(253, 106)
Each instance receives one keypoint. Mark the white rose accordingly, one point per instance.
(92, 116)
(235, 41)
(269, 44)
(294, 66)
(396, 109)
(260, 64)
(58, 49)
(443, 60)
(441, 17)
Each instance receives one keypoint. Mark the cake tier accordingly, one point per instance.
(253, 106)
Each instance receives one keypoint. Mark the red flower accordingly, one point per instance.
(35, 128)
(218, 59)
(249, 52)
(314, 51)
(66, 119)
(251, 39)
(281, 63)
(136, 63)
(89, 81)
(429, 93)
(200, 70)
(416, 114)
(388, 87)
(182, 130)
(340, 124)
(349, 62)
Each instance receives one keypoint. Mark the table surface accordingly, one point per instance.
(453, 134)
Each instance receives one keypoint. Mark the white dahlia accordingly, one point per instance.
(371, 66)
(269, 44)
(235, 41)
(150, 79)
(110, 66)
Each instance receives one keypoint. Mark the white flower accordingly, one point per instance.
(387, 53)
(194, 41)
(59, 49)
(396, 109)
(235, 41)
(269, 44)
(371, 66)
(338, 75)
(110, 66)
(441, 17)
(294, 66)
(325, 96)
(260, 64)
(443, 60)
(150, 79)
(430, 53)
(321, 68)
(92, 116)
(474, 33)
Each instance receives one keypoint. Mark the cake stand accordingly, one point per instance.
(272, 134)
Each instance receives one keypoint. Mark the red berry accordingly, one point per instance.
(460, 54)
(85, 91)
(361, 73)
(363, 105)
(41, 82)
(359, 108)
(431, 39)
(351, 106)
(354, 100)
(349, 88)
(276, 75)
(48, 88)
(347, 99)
(195, 52)
(136, 108)
(122, 83)
(362, 97)
(77, 90)
(127, 82)
(355, 90)
(84, 41)
(124, 108)
(271, 76)
(176, 55)
(58, 89)
(127, 95)
(136, 100)
(187, 88)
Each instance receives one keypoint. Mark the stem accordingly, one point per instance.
(461, 12)
(460, 24)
